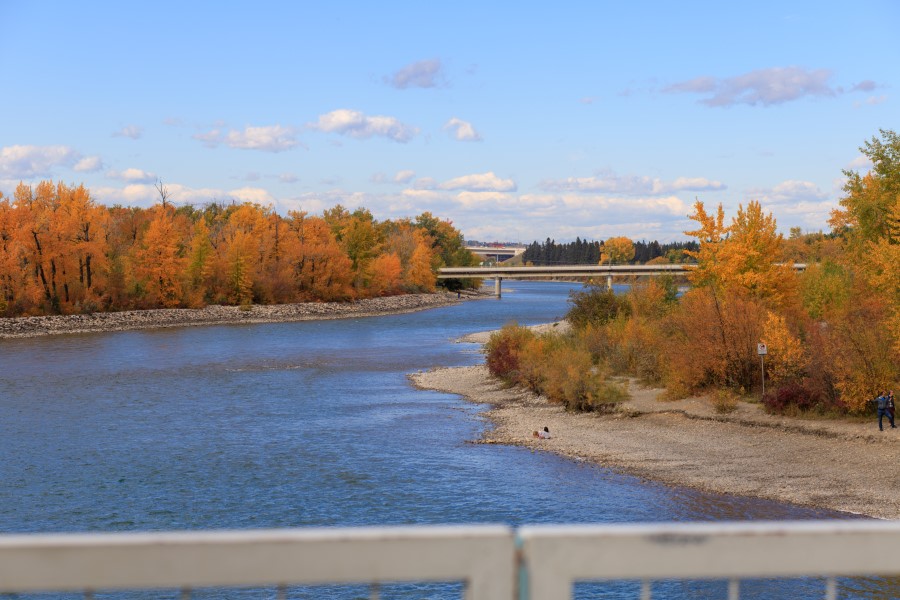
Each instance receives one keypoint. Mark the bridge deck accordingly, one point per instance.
(569, 271)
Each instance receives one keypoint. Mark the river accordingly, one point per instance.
(307, 424)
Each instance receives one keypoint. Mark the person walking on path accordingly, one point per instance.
(881, 403)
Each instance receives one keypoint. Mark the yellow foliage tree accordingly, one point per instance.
(617, 250)
(786, 359)
(746, 256)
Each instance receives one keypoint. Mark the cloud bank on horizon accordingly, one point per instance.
(581, 135)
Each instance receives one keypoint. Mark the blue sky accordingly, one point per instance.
(517, 121)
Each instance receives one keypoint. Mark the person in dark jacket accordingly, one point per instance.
(881, 402)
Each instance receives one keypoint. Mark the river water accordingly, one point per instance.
(309, 424)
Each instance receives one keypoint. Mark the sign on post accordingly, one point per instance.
(762, 351)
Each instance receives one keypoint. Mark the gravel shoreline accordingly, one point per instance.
(839, 465)
(23, 327)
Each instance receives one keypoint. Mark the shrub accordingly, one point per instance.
(503, 350)
(793, 397)
(533, 354)
(724, 401)
(572, 380)
(596, 305)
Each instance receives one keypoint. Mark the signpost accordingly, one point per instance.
(762, 351)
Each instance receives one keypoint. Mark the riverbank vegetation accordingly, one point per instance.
(832, 332)
(62, 253)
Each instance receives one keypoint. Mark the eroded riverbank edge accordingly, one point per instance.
(23, 327)
(837, 465)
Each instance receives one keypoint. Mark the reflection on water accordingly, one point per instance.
(304, 424)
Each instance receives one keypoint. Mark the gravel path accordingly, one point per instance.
(840, 465)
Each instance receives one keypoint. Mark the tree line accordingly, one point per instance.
(61, 252)
(584, 252)
(832, 332)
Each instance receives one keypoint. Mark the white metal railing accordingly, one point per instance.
(495, 562)
(481, 556)
(557, 556)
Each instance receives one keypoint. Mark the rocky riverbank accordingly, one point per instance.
(220, 315)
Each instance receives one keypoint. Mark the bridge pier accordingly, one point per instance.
(497, 281)
(609, 282)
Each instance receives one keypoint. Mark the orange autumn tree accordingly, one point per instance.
(715, 328)
(245, 254)
(385, 274)
(158, 260)
(10, 272)
(84, 225)
(418, 273)
(413, 247)
(38, 239)
(321, 270)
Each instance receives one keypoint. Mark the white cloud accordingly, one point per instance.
(130, 131)
(132, 175)
(631, 185)
(421, 74)
(404, 176)
(483, 199)
(252, 194)
(423, 194)
(788, 192)
(481, 182)
(872, 101)
(462, 130)
(27, 162)
(288, 178)
(271, 138)
(88, 164)
(358, 125)
(860, 163)
(765, 87)
(145, 194)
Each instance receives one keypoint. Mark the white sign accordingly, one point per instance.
(761, 349)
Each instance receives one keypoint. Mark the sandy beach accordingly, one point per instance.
(222, 315)
(839, 465)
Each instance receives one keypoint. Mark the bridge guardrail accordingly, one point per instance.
(491, 559)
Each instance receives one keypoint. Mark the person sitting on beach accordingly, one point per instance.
(545, 434)
(535, 434)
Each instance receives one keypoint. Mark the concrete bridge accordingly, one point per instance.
(609, 271)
